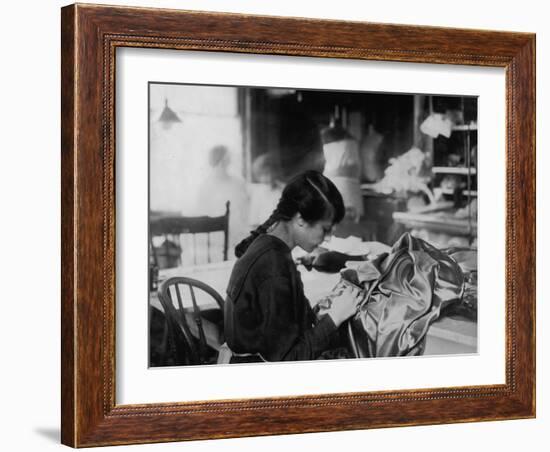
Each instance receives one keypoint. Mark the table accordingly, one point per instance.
(316, 284)
(446, 335)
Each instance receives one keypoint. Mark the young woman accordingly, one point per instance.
(267, 316)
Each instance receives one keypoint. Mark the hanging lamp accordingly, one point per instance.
(168, 116)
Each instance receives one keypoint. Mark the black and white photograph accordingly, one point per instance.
(292, 224)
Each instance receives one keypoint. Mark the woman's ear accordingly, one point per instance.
(299, 220)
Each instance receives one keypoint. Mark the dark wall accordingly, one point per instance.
(289, 124)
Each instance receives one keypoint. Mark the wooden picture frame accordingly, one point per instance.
(90, 36)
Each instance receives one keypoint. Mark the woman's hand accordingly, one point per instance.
(344, 305)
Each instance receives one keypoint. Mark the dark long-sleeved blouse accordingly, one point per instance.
(266, 311)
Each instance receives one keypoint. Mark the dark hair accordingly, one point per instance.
(310, 194)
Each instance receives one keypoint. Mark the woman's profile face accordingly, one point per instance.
(310, 235)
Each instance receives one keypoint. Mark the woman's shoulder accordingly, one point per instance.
(270, 252)
(267, 257)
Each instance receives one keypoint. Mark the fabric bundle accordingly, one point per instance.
(405, 292)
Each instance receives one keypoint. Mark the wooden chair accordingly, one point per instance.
(195, 330)
(172, 228)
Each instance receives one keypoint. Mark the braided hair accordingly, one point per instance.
(310, 194)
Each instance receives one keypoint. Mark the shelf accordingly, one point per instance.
(448, 191)
(464, 127)
(454, 170)
(435, 222)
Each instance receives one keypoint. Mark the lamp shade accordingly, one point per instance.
(168, 116)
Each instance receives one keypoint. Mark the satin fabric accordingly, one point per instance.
(406, 291)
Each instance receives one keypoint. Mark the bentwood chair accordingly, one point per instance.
(174, 228)
(194, 320)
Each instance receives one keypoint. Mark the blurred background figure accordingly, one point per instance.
(266, 190)
(371, 155)
(219, 186)
(343, 165)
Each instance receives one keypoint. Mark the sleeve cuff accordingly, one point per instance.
(326, 325)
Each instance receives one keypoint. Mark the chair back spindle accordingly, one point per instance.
(195, 328)
(173, 227)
